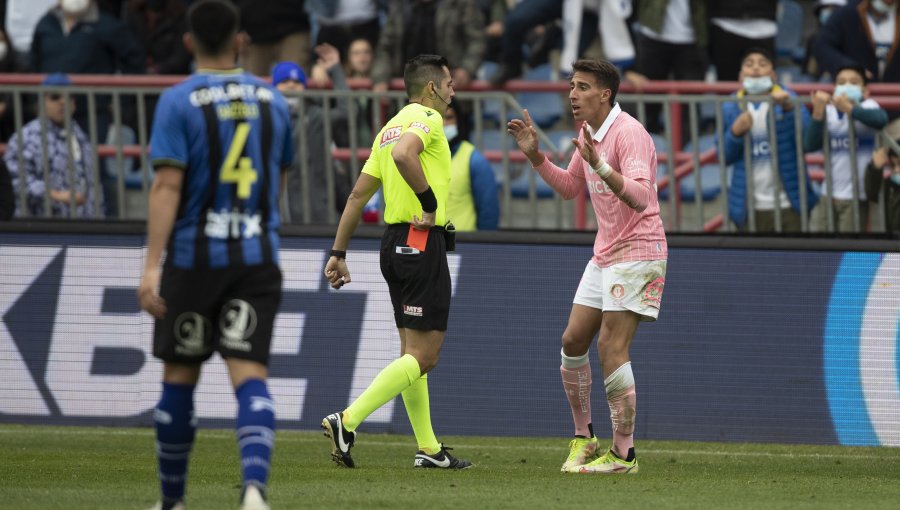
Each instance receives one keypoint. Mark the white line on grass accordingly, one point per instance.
(303, 437)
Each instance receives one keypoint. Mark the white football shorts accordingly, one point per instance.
(636, 286)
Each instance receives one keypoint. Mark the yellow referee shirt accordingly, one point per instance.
(401, 203)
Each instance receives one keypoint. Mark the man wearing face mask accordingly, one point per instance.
(771, 191)
(472, 202)
(850, 101)
(311, 189)
(862, 34)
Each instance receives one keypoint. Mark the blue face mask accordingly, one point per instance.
(760, 85)
(853, 92)
(450, 131)
(895, 178)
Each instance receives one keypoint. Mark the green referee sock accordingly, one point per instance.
(393, 379)
(415, 398)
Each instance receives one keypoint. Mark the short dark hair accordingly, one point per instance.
(858, 69)
(422, 69)
(762, 50)
(603, 70)
(212, 24)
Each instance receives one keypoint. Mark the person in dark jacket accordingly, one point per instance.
(857, 34)
(877, 180)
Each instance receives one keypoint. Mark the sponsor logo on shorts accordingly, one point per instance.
(420, 125)
(653, 292)
(415, 311)
(192, 333)
(237, 322)
(617, 291)
(390, 135)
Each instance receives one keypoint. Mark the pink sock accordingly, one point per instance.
(577, 383)
(622, 412)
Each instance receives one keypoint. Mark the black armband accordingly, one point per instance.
(341, 254)
(428, 200)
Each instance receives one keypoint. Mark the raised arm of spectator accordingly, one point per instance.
(812, 135)
(734, 143)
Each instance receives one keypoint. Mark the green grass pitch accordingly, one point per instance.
(89, 468)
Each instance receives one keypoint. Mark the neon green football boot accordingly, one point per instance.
(611, 464)
(581, 451)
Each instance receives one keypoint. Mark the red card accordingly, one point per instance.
(417, 238)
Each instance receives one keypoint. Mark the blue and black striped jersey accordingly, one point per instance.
(231, 134)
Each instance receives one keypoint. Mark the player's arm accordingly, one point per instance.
(406, 156)
(634, 192)
(336, 268)
(164, 197)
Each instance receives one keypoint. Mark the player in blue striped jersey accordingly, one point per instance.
(220, 143)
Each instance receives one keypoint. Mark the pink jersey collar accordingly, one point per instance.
(613, 114)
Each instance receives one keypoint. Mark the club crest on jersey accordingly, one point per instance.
(391, 135)
(420, 125)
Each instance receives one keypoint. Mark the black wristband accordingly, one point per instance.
(428, 200)
(341, 254)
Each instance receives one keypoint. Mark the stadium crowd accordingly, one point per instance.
(488, 42)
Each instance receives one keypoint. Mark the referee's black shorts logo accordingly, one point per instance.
(419, 281)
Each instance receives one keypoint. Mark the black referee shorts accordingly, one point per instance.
(419, 282)
(230, 311)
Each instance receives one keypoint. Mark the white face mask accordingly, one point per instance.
(759, 85)
(4, 49)
(450, 131)
(75, 6)
(853, 92)
(293, 104)
(882, 7)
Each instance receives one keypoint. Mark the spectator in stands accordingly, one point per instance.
(343, 21)
(70, 175)
(736, 26)
(876, 177)
(833, 113)
(278, 30)
(160, 25)
(76, 37)
(7, 195)
(21, 18)
(751, 119)
(671, 44)
(862, 34)
(7, 65)
(359, 65)
(610, 19)
(518, 22)
(472, 203)
(824, 10)
(452, 28)
(290, 79)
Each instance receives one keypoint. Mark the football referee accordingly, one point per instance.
(411, 159)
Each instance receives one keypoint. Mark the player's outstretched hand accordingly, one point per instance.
(586, 149)
(148, 295)
(524, 133)
(337, 273)
(425, 222)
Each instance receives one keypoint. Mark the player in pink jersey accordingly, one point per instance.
(623, 283)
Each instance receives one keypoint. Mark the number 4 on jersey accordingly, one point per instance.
(237, 169)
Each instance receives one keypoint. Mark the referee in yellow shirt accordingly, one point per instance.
(411, 159)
